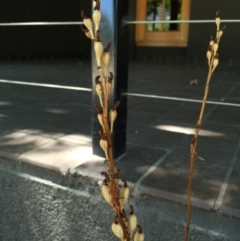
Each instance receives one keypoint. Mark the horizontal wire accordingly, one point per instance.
(126, 94)
(181, 99)
(125, 22)
(39, 24)
(45, 85)
(181, 21)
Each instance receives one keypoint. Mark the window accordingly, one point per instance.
(162, 34)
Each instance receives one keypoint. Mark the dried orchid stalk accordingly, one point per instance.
(123, 226)
(212, 57)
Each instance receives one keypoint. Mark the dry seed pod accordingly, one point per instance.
(98, 48)
(220, 33)
(105, 60)
(96, 19)
(109, 82)
(215, 48)
(99, 92)
(106, 194)
(86, 31)
(217, 20)
(100, 119)
(211, 43)
(209, 56)
(96, 5)
(106, 57)
(124, 194)
(117, 229)
(215, 64)
(88, 23)
(104, 145)
(139, 236)
(132, 221)
(112, 118)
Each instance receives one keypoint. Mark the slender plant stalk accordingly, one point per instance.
(212, 57)
(123, 226)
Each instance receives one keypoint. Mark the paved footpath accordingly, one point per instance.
(50, 127)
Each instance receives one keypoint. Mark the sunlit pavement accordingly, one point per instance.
(51, 127)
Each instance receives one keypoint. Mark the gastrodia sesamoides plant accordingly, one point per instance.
(213, 61)
(115, 193)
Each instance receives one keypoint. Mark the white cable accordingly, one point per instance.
(181, 99)
(124, 22)
(181, 21)
(40, 23)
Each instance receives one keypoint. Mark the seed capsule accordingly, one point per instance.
(124, 194)
(112, 118)
(132, 221)
(139, 236)
(118, 230)
(106, 195)
(86, 31)
(104, 145)
(215, 48)
(96, 19)
(88, 23)
(98, 48)
(215, 64)
(99, 92)
(100, 119)
(217, 20)
(211, 43)
(220, 33)
(209, 56)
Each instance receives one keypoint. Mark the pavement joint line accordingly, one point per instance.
(223, 189)
(128, 94)
(151, 147)
(150, 170)
(214, 107)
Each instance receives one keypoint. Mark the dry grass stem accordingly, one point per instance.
(212, 57)
(123, 226)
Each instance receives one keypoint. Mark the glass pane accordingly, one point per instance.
(163, 10)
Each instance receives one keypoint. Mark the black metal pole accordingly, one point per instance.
(112, 30)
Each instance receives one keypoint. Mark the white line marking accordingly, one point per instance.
(148, 172)
(224, 186)
(45, 85)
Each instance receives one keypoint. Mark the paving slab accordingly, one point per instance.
(142, 120)
(150, 136)
(133, 165)
(59, 154)
(226, 115)
(17, 143)
(231, 200)
(51, 127)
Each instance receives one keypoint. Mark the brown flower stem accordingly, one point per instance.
(193, 151)
(111, 161)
